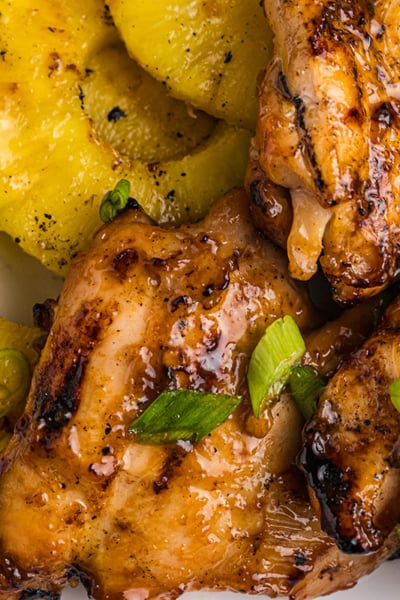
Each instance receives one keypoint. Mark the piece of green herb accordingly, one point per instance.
(278, 351)
(306, 386)
(186, 415)
(114, 201)
(394, 391)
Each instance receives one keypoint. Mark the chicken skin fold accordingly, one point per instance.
(146, 309)
(329, 133)
(351, 445)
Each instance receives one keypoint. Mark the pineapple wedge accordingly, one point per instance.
(55, 166)
(132, 112)
(208, 53)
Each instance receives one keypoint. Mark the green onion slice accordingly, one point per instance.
(306, 385)
(185, 415)
(276, 354)
(394, 391)
(15, 379)
(114, 201)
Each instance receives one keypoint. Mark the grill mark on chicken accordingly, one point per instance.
(306, 145)
(335, 488)
(328, 131)
(351, 441)
(57, 394)
(230, 512)
(172, 462)
(338, 24)
(56, 410)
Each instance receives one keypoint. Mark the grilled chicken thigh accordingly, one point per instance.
(143, 310)
(329, 132)
(352, 444)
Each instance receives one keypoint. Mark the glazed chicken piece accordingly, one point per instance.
(351, 449)
(329, 132)
(146, 309)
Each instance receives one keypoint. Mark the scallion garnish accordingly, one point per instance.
(278, 351)
(394, 391)
(306, 385)
(15, 379)
(186, 415)
(114, 200)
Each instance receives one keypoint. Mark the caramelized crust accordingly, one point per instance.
(328, 131)
(351, 445)
(145, 309)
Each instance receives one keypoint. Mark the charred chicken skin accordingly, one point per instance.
(329, 133)
(146, 309)
(351, 450)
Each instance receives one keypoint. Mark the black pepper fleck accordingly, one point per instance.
(115, 114)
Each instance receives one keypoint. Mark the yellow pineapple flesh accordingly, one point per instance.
(55, 166)
(132, 111)
(207, 52)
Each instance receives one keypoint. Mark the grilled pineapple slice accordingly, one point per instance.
(125, 107)
(207, 52)
(55, 166)
(132, 111)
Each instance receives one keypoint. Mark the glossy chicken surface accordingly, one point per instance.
(351, 452)
(143, 310)
(329, 132)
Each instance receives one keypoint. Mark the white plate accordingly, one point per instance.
(23, 282)
(383, 584)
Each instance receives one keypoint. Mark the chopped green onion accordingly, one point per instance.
(114, 200)
(278, 351)
(306, 385)
(394, 391)
(185, 415)
(15, 379)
